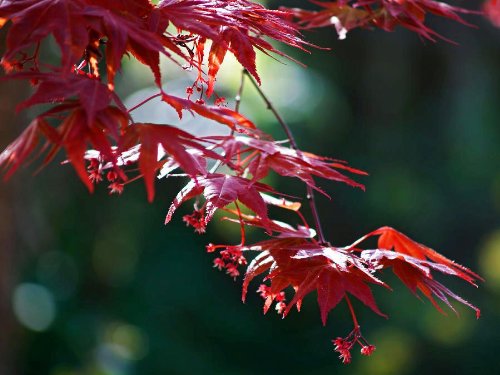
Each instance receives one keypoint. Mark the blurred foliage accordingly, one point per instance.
(103, 288)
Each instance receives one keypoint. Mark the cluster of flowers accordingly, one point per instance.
(196, 220)
(96, 172)
(265, 291)
(230, 259)
(343, 345)
(219, 101)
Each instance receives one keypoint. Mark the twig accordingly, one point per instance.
(237, 98)
(310, 192)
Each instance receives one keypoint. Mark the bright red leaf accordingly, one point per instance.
(391, 239)
(307, 267)
(416, 275)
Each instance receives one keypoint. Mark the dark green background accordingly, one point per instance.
(135, 297)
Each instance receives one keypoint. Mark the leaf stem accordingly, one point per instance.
(351, 309)
(144, 102)
(242, 224)
(310, 192)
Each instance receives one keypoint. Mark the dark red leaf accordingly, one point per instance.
(220, 190)
(55, 88)
(74, 134)
(416, 275)
(286, 161)
(17, 152)
(411, 14)
(174, 141)
(33, 20)
(126, 34)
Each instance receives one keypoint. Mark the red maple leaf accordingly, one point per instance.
(268, 155)
(412, 262)
(77, 135)
(220, 190)
(19, 150)
(33, 20)
(389, 238)
(215, 59)
(416, 275)
(410, 14)
(79, 25)
(126, 33)
(307, 266)
(74, 134)
(92, 95)
(174, 141)
(337, 14)
(236, 121)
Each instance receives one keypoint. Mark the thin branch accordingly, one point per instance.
(237, 98)
(293, 143)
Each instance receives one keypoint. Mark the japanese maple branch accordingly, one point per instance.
(310, 192)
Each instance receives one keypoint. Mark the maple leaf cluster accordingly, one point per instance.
(86, 118)
(345, 15)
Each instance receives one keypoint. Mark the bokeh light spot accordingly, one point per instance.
(34, 306)
(394, 354)
(449, 329)
(489, 260)
(131, 339)
(121, 345)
